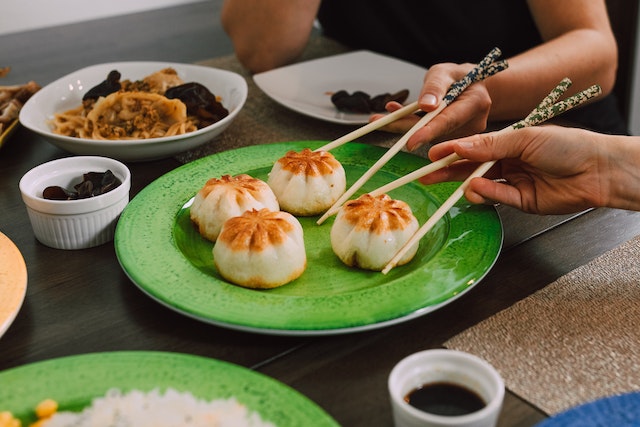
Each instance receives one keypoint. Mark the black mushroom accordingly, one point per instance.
(93, 184)
(357, 102)
(200, 102)
(363, 103)
(107, 87)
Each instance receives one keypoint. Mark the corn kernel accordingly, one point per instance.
(7, 420)
(46, 408)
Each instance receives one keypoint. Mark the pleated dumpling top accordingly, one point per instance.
(369, 231)
(228, 196)
(308, 182)
(260, 249)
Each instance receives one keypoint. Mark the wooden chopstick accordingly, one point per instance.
(486, 68)
(539, 115)
(547, 103)
(392, 151)
(418, 173)
(370, 127)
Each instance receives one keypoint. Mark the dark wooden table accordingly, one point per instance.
(81, 301)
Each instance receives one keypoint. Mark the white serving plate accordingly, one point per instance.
(306, 87)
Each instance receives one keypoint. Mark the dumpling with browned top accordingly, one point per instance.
(307, 183)
(260, 249)
(228, 196)
(369, 231)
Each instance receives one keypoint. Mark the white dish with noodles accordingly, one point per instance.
(67, 92)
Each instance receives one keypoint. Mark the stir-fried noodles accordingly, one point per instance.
(134, 110)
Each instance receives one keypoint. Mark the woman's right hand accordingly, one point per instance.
(544, 170)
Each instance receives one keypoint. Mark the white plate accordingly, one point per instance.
(306, 87)
(66, 93)
(13, 282)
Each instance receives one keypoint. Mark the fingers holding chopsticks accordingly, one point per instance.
(485, 68)
(467, 116)
(542, 170)
(547, 109)
(493, 186)
(472, 150)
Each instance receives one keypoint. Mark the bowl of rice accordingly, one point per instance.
(138, 120)
(150, 388)
(156, 408)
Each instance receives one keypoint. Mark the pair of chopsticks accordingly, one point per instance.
(485, 68)
(549, 107)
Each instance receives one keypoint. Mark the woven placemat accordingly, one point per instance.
(576, 340)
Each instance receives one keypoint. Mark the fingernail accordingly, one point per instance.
(465, 145)
(428, 99)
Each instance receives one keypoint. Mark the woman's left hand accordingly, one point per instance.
(467, 115)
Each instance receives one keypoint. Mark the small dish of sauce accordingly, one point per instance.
(445, 398)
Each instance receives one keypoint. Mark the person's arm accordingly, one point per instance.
(267, 34)
(547, 169)
(578, 43)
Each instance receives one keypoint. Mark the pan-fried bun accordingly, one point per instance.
(369, 231)
(228, 196)
(307, 183)
(260, 249)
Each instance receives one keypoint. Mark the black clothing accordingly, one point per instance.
(427, 32)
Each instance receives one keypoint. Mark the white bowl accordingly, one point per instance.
(445, 366)
(66, 93)
(74, 224)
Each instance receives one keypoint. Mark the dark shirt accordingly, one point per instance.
(427, 32)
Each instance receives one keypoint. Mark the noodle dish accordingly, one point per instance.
(136, 111)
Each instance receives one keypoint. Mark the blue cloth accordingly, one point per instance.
(614, 411)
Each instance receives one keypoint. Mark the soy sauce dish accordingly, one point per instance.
(85, 218)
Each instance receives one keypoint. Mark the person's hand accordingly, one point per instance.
(542, 170)
(467, 115)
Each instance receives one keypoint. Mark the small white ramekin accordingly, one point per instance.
(74, 224)
(448, 366)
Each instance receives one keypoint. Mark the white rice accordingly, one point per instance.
(171, 409)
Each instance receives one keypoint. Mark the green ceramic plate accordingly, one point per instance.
(164, 255)
(75, 380)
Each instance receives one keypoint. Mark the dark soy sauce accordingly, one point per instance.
(445, 399)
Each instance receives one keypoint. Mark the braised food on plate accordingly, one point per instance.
(161, 104)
